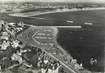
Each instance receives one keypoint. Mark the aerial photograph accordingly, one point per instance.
(52, 36)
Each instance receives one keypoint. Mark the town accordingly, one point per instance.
(15, 55)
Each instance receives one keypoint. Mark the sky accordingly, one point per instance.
(91, 1)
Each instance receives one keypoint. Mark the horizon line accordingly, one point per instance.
(50, 2)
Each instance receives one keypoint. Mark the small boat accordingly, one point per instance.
(70, 21)
(87, 23)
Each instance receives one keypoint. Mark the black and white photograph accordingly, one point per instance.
(52, 36)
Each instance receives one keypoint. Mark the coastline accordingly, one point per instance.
(29, 14)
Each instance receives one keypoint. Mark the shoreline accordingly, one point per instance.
(29, 14)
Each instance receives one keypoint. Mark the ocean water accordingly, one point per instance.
(84, 45)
